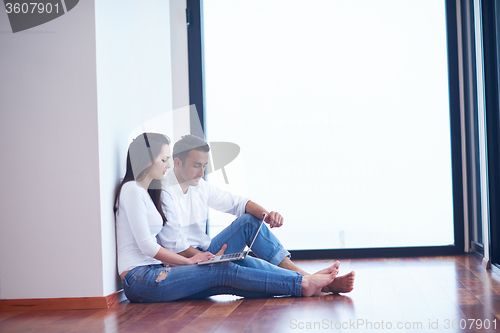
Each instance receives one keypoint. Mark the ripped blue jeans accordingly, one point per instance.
(148, 284)
(240, 233)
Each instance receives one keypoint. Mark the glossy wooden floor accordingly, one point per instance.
(435, 294)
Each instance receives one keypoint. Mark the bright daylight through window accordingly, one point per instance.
(341, 112)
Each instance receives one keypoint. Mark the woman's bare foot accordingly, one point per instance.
(341, 284)
(312, 284)
(331, 269)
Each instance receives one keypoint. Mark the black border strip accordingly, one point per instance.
(492, 104)
(455, 128)
(396, 252)
(195, 63)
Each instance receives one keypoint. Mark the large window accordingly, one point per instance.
(341, 112)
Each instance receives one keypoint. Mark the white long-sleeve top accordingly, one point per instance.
(137, 224)
(186, 224)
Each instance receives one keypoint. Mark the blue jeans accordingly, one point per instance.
(195, 281)
(241, 232)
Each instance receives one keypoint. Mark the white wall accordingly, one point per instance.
(180, 72)
(71, 93)
(50, 231)
(134, 85)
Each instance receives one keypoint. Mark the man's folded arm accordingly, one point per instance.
(189, 252)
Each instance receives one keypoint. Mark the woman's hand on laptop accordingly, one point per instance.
(199, 257)
(274, 219)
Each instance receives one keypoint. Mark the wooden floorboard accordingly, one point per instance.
(425, 294)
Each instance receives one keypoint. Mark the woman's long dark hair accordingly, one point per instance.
(141, 155)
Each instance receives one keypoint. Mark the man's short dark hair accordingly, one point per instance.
(188, 143)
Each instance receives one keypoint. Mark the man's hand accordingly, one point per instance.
(222, 250)
(199, 257)
(274, 219)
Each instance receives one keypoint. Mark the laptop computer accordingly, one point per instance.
(233, 256)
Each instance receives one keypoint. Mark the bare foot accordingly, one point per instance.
(331, 269)
(341, 284)
(312, 284)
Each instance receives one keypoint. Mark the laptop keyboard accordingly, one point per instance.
(230, 256)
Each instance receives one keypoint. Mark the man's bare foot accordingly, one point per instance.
(312, 284)
(341, 284)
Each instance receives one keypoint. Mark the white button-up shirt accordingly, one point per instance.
(187, 213)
